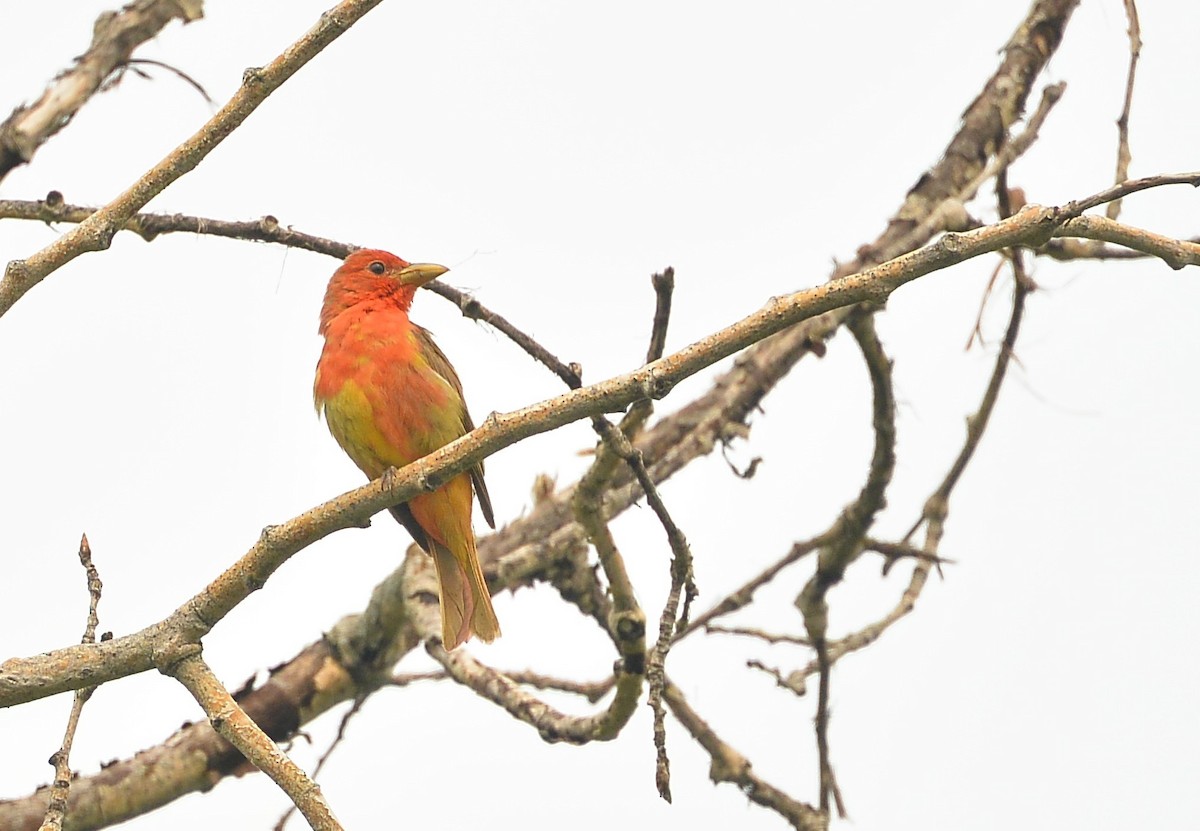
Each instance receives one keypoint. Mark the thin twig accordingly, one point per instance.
(133, 63)
(977, 329)
(758, 634)
(795, 681)
(664, 286)
(593, 691)
(418, 588)
(404, 679)
(745, 595)
(1126, 188)
(682, 577)
(730, 766)
(937, 505)
(354, 710)
(1071, 250)
(56, 811)
(1175, 253)
(551, 724)
(894, 552)
(1123, 155)
(150, 226)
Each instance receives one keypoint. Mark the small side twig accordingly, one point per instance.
(745, 595)
(593, 691)
(1124, 157)
(134, 64)
(56, 811)
(758, 634)
(937, 505)
(894, 552)
(354, 710)
(664, 286)
(1127, 188)
(795, 681)
(1175, 253)
(551, 724)
(403, 679)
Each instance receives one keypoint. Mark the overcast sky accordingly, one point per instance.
(158, 397)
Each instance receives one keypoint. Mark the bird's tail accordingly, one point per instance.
(466, 602)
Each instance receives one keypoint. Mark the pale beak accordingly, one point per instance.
(418, 274)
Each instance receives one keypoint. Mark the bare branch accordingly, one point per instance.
(114, 37)
(134, 64)
(664, 286)
(552, 725)
(758, 634)
(1071, 250)
(754, 374)
(149, 226)
(56, 810)
(795, 681)
(894, 552)
(937, 506)
(97, 663)
(404, 679)
(1123, 155)
(593, 691)
(237, 728)
(1175, 253)
(730, 766)
(96, 232)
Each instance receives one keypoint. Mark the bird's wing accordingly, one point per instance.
(440, 364)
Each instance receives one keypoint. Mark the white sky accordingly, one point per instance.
(158, 397)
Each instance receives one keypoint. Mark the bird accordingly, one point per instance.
(390, 396)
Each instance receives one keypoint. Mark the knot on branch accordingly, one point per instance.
(52, 206)
(728, 766)
(470, 307)
(654, 386)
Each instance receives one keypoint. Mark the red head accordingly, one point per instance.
(373, 276)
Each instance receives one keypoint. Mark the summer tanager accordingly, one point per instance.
(390, 397)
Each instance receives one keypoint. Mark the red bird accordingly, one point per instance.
(390, 396)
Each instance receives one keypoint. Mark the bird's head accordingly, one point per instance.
(373, 275)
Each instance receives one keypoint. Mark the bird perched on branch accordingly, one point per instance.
(390, 396)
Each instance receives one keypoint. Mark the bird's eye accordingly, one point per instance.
(377, 267)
